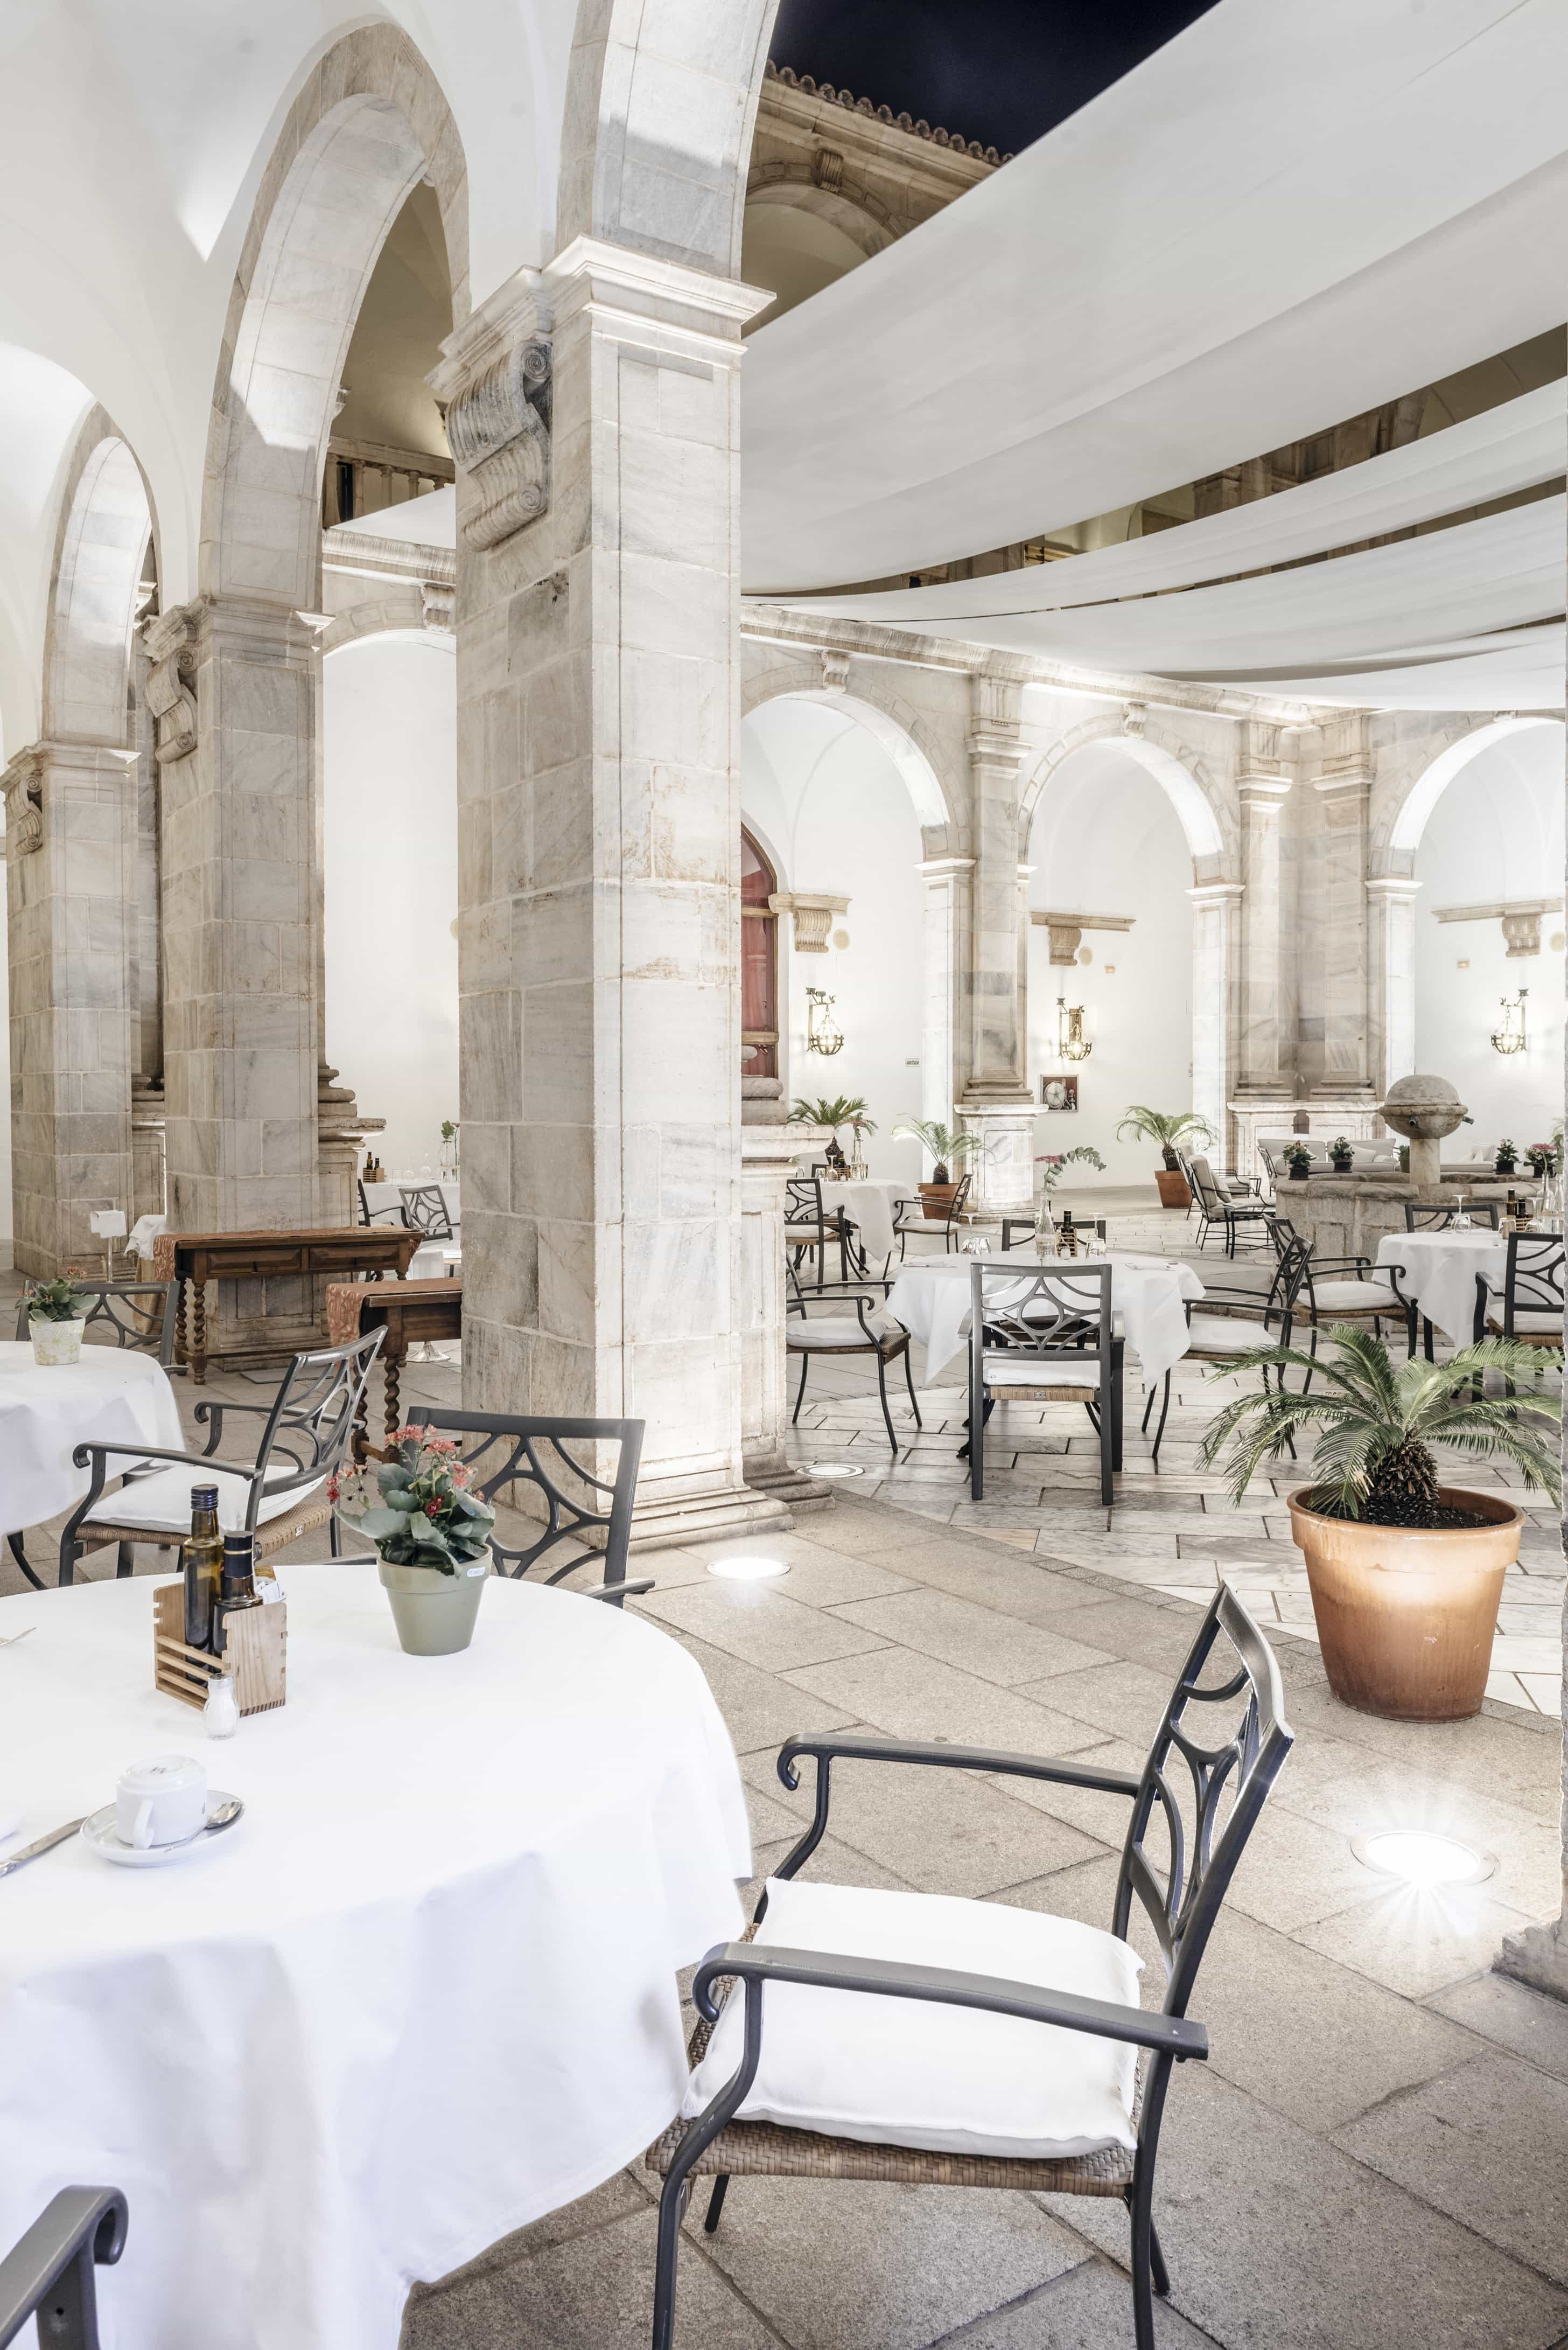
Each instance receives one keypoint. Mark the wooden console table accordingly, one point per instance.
(196, 1258)
(407, 1311)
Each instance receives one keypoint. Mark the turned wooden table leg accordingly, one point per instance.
(393, 1356)
(180, 1353)
(199, 1333)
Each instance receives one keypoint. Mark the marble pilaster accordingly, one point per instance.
(1391, 974)
(768, 1159)
(945, 931)
(70, 841)
(1343, 1063)
(1216, 955)
(1265, 1027)
(995, 1100)
(593, 414)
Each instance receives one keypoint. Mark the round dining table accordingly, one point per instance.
(871, 1204)
(1440, 1269)
(113, 1395)
(1149, 1297)
(422, 1993)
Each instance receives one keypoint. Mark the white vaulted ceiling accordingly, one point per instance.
(1277, 222)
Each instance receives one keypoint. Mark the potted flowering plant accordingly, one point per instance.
(448, 1156)
(1340, 1156)
(1543, 1159)
(1298, 1161)
(1507, 1156)
(431, 1536)
(56, 1316)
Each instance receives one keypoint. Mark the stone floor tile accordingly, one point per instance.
(1313, 2039)
(1418, 1942)
(1125, 1700)
(1277, 2241)
(906, 1694)
(593, 2292)
(1544, 1691)
(977, 1639)
(838, 2264)
(1486, 1754)
(760, 1710)
(1089, 2308)
(1100, 1816)
(617, 2198)
(1529, 1873)
(1296, 1869)
(942, 1831)
(758, 1622)
(1486, 2144)
(1514, 2016)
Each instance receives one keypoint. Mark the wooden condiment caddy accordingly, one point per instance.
(255, 1653)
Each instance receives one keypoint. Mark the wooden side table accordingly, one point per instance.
(194, 1259)
(408, 1311)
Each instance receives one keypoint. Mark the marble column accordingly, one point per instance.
(945, 934)
(593, 415)
(1216, 956)
(768, 1159)
(1339, 913)
(1266, 1025)
(70, 858)
(1391, 979)
(996, 1102)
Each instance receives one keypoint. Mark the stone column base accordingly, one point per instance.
(667, 1520)
(797, 1489)
(1004, 1172)
(1538, 1957)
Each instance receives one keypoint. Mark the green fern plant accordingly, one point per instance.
(1376, 1423)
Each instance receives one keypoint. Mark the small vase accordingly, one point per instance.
(56, 1342)
(434, 1613)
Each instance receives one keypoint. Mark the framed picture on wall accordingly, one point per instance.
(1058, 1093)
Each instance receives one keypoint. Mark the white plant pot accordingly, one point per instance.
(434, 1613)
(56, 1342)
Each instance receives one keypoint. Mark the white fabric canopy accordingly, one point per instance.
(1515, 447)
(1248, 239)
(1520, 669)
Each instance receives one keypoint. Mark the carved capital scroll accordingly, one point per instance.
(498, 431)
(170, 642)
(23, 785)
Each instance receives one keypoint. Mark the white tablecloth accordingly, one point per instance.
(870, 1205)
(112, 1396)
(143, 1232)
(381, 1197)
(1439, 1273)
(931, 1301)
(423, 1993)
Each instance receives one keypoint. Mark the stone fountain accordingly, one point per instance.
(1424, 1110)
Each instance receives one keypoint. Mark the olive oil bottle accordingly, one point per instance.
(201, 1563)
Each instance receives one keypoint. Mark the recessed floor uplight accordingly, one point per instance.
(1418, 1856)
(834, 1469)
(747, 1566)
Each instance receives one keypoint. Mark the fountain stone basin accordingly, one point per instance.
(1424, 1110)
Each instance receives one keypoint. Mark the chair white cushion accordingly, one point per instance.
(924, 1225)
(1340, 1296)
(1042, 1371)
(803, 1232)
(1536, 1323)
(820, 1331)
(1214, 1334)
(162, 1502)
(898, 2071)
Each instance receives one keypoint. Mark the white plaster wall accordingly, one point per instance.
(1496, 833)
(389, 792)
(827, 804)
(1106, 840)
(6, 1224)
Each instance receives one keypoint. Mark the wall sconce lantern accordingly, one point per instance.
(1510, 1036)
(823, 1034)
(1072, 1044)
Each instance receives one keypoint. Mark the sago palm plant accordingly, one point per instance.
(839, 1109)
(1165, 1128)
(1376, 1424)
(949, 1145)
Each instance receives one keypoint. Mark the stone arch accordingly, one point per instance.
(661, 103)
(101, 551)
(369, 125)
(404, 611)
(850, 208)
(1178, 769)
(1412, 811)
(939, 801)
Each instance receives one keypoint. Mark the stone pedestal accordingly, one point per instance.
(1003, 1171)
(767, 1162)
(593, 414)
(71, 854)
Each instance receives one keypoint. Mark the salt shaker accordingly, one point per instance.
(221, 1715)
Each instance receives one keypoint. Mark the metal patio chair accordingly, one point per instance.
(501, 1449)
(808, 1228)
(51, 2274)
(1054, 1342)
(1531, 1310)
(911, 1220)
(1218, 1210)
(843, 1334)
(425, 1211)
(307, 1434)
(1179, 1885)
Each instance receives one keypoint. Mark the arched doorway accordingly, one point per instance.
(759, 964)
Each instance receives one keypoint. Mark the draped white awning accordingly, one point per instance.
(1266, 228)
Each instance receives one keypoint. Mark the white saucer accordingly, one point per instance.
(101, 1836)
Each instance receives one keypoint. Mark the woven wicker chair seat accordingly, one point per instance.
(305, 1518)
(764, 2149)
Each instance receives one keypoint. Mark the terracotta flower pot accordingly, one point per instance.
(1405, 1615)
(1173, 1190)
(434, 1613)
(938, 1196)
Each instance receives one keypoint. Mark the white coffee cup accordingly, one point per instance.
(161, 1801)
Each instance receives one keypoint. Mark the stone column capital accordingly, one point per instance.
(938, 866)
(1216, 893)
(1262, 791)
(1392, 886)
(630, 291)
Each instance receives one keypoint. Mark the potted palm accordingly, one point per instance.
(56, 1316)
(843, 1109)
(1405, 1573)
(431, 1537)
(949, 1148)
(1166, 1128)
